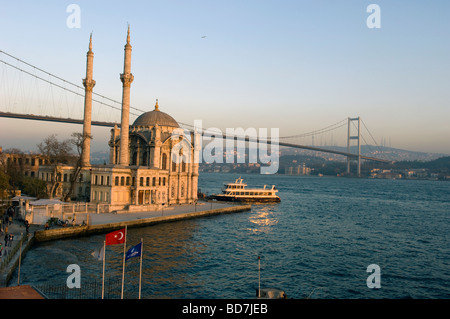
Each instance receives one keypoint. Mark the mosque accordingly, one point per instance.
(151, 162)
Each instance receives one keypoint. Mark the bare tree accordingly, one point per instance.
(77, 141)
(57, 153)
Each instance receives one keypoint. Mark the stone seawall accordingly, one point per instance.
(79, 231)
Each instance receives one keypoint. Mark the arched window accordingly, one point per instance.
(147, 181)
(145, 159)
(164, 161)
(116, 182)
(122, 181)
(141, 181)
(128, 180)
(154, 181)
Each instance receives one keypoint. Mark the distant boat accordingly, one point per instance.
(238, 192)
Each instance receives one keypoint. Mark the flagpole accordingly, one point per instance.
(140, 270)
(259, 277)
(20, 259)
(103, 278)
(123, 267)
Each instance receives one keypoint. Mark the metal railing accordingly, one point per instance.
(11, 253)
(89, 289)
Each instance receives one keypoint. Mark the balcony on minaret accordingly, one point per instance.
(126, 78)
(88, 84)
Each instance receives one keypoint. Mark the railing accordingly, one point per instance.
(10, 253)
(65, 212)
(91, 289)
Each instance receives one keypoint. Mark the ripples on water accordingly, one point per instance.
(317, 242)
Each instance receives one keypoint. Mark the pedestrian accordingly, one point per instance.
(6, 240)
(1, 249)
(10, 240)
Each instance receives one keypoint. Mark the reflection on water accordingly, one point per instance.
(263, 219)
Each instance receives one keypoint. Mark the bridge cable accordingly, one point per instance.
(323, 130)
(65, 81)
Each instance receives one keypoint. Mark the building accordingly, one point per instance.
(152, 162)
(27, 163)
(301, 169)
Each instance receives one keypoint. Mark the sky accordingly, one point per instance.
(294, 65)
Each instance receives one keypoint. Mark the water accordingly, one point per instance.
(317, 242)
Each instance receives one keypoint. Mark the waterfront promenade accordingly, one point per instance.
(99, 223)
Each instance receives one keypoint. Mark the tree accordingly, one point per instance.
(14, 170)
(34, 187)
(77, 141)
(4, 182)
(57, 153)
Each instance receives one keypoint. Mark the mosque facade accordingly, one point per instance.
(152, 163)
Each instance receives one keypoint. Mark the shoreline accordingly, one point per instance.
(131, 220)
(106, 222)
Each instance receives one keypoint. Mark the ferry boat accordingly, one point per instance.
(237, 192)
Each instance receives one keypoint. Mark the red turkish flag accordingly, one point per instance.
(115, 237)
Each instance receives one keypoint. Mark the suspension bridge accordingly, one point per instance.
(31, 93)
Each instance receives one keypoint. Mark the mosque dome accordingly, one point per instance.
(155, 117)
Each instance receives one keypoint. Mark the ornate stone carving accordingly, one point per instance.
(88, 84)
(127, 79)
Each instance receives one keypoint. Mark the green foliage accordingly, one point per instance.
(34, 187)
(4, 181)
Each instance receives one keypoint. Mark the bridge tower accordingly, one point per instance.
(354, 137)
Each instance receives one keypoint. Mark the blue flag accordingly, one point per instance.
(134, 251)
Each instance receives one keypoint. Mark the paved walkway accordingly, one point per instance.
(106, 218)
(7, 260)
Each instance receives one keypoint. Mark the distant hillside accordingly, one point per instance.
(383, 152)
(100, 157)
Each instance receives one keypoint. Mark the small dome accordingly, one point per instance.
(155, 117)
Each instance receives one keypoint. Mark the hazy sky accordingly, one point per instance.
(294, 65)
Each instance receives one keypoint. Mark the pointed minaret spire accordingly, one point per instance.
(127, 78)
(128, 35)
(156, 105)
(89, 84)
(90, 43)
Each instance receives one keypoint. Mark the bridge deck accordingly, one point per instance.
(111, 124)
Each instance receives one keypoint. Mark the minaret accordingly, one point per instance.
(89, 84)
(126, 77)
